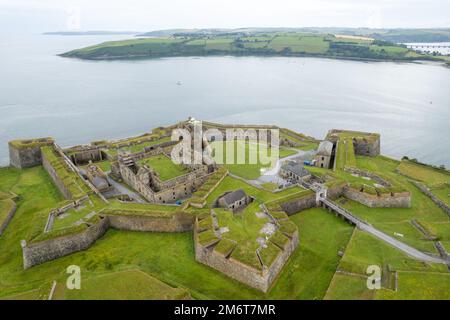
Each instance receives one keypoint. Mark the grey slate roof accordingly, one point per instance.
(100, 183)
(234, 196)
(295, 168)
(325, 148)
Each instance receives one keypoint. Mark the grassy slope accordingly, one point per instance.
(5, 208)
(425, 174)
(398, 220)
(364, 250)
(309, 271)
(271, 44)
(443, 193)
(348, 287)
(419, 285)
(127, 285)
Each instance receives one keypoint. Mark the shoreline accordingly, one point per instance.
(347, 58)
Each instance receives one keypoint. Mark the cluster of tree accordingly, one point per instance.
(348, 49)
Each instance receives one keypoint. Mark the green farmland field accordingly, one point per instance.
(270, 44)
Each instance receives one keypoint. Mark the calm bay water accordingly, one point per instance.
(78, 101)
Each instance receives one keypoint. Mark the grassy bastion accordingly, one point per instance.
(130, 217)
(27, 153)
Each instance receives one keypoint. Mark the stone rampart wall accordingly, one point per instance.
(37, 253)
(179, 222)
(25, 157)
(56, 179)
(395, 200)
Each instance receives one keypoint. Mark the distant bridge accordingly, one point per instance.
(427, 46)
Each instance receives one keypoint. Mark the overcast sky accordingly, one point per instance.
(145, 15)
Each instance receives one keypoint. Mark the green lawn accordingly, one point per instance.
(419, 286)
(308, 273)
(428, 175)
(5, 208)
(301, 43)
(164, 166)
(365, 250)
(416, 279)
(121, 285)
(443, 193)
(252, 157)
(349, 287)
(29, 295)
(270, 186)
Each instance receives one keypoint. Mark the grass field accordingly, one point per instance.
(164, 166)
(419, 285)
(416, 280)
(428, 175)
(349, 287)
(299, 43)
(365, 250)
(121, 285)
(308, 273)
(443, 193)
(5, 208)
(252, 157)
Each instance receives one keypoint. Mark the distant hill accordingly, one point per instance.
(391, 35)
(236, 42)
(90, 33)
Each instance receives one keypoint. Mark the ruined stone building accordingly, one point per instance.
(294, 171)
(324, 154)
(147, 182)
(233, 200)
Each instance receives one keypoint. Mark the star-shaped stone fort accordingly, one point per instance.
(238, 213)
